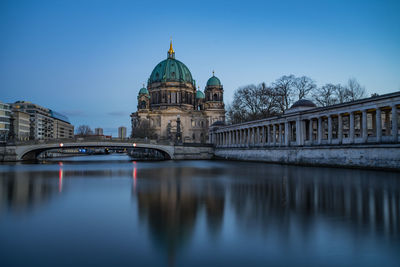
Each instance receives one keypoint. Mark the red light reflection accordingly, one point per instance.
(134, 175)
(60, 177)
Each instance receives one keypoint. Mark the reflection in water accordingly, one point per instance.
(60, 177)
(273, 198)
(134, 175)
(20, 191)
(204, 213)
(170, 201)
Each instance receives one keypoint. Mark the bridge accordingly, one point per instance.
(30, 150)
(363, 133)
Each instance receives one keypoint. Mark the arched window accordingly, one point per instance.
(143, 104)
(215, 97)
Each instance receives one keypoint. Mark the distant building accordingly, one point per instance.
(98, 131)
(122, 132)
(5, 116)
(21, 125)
(45, 123)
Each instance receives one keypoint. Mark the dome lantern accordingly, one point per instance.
(171, 52)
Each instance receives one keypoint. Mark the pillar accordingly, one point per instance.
(310, 132)
(329, 129)
(287, 135)
(340, 128)
(298, 132)
(319, 130)
(280, 134)
(394, 123)
(364, 129)
(263, 136)
(378, 125)
(351, 129)
(274, 134)
(268, 135)
(248, 137)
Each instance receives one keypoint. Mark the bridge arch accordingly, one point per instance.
(30, 152)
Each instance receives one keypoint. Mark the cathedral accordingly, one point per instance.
(172, 107)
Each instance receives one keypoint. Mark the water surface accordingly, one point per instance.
(110, 211)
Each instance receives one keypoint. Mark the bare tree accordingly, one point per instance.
(326, 95)
(341, 94)
(303, 86)
(354, 90)
(284, 90)
(84, 130)
(144, 130)
(251, 103)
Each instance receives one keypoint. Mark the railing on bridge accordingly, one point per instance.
(366, 121)
(90, 139)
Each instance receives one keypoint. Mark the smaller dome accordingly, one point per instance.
(143, 91)
(200, 94)
(218, 123)
(303, 103)
(213, 81)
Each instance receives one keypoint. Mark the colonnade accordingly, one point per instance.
(371, 121)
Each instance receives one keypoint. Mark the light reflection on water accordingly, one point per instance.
(108, 211)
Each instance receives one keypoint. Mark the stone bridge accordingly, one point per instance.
(30, 150)
(363, 133)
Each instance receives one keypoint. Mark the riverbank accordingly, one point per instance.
(381, 157)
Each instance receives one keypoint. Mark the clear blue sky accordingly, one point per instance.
(88, 59)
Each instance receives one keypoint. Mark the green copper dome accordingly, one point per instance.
(200, 94)
(213, 81)
(143, 91)
(171, 70)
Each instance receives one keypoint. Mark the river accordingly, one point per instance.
(110, 211)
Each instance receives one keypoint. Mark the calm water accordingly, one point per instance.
(109, 211)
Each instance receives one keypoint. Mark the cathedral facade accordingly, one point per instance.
(173, 109)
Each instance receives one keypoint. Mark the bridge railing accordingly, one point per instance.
(90, 139)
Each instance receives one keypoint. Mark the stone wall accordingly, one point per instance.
(193, 152)
(358, 156)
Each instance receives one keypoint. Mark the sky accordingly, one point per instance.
(88, 59)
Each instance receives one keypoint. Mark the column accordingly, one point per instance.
(237, 138)
(287, 136)
(226, 138)
(241, 132)
(258, 136)
(268, 135)
(351, 130)
(319, 130)
(274, 134)
(248, 137)
(329, 129)
(378, 125)
(298, 132)
(263, 135)
(394, 123)
(364, 129)
(310, 132)
(253, 136)
(280, 134)
(340, 128)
